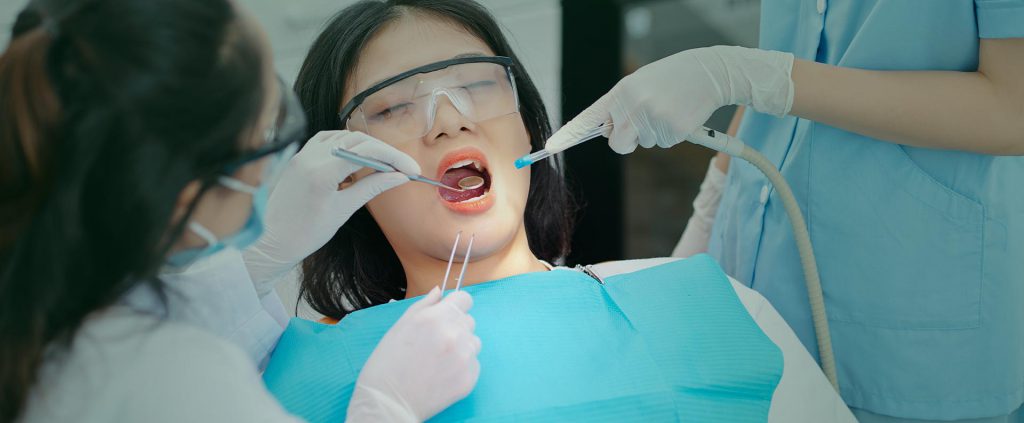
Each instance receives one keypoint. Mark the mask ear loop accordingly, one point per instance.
(237, 185)
(232, 183)
(203, 233)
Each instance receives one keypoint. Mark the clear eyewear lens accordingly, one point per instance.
(278, 162)
(290, 123)
(406, 109)
(284, 135)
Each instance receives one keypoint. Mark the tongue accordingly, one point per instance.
(452, 178)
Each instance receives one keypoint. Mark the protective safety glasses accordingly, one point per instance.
(403, 107)
(280, 139)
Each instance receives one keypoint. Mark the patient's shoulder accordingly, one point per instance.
(618, 267)
(752, 300)
(328, 320)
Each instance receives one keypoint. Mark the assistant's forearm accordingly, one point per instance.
(972, 111)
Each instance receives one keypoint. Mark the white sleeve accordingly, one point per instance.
(698, 229)
(370, 405)
(194, 377)
(803, 394)
(217, 294)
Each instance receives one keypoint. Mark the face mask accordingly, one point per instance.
(240, 240)
(281, 146)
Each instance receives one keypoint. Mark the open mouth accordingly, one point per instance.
(469, 174)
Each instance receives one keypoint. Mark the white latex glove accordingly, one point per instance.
(426, 362)
(705, 206)
(664, 102)
(306, 208)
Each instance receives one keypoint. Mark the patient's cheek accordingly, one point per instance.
(392, 207)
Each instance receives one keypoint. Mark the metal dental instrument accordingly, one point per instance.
(471, 182)
(451, 258)
(465, 262)
(384, 167)
(549, 151)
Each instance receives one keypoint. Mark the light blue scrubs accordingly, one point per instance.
(921, 251)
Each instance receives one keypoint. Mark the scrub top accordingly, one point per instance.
(921, 251)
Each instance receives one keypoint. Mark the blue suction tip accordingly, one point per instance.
(523, 162)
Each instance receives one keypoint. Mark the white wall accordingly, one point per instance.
(8, 12)
(533, 26)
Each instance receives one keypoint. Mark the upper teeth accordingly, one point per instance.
(464, 163)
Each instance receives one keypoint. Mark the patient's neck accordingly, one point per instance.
(423, 273)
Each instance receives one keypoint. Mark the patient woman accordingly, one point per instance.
(651, 339)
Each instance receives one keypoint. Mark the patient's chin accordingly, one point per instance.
(492, 233)
(418, 221)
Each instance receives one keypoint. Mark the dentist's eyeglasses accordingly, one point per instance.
(281, 139)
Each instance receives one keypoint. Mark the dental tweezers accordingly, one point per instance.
(465, 261)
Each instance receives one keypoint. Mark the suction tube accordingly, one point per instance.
(734, 147)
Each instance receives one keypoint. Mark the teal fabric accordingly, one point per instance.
(921, 251)
(668, 343)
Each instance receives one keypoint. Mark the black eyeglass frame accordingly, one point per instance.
(356, 101)
(279, 136)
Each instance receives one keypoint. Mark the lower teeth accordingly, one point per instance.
(472, 199)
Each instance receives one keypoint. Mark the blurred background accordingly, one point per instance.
(638, 205)
(575, 50)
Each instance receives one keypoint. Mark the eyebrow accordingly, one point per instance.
(457, 56)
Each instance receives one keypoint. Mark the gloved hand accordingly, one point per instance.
(705, 206)
(426, 362)
(306, 207)
(664, 102)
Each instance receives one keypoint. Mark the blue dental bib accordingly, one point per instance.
(671, 342)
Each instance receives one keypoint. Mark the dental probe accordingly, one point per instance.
(384, 167)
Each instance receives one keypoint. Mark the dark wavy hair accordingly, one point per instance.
(108, 109)
(358, 268)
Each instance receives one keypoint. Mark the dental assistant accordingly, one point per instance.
(897, 124)
(138, 143)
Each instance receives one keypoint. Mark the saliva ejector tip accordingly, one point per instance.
(529, 159)
(532, 158)
(523, 162)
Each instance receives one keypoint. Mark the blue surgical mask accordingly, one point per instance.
(240, 240)
(281, 146)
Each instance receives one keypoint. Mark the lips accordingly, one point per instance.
(457, 166)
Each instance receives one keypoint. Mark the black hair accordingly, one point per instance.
(108, 109)
(358, 268)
